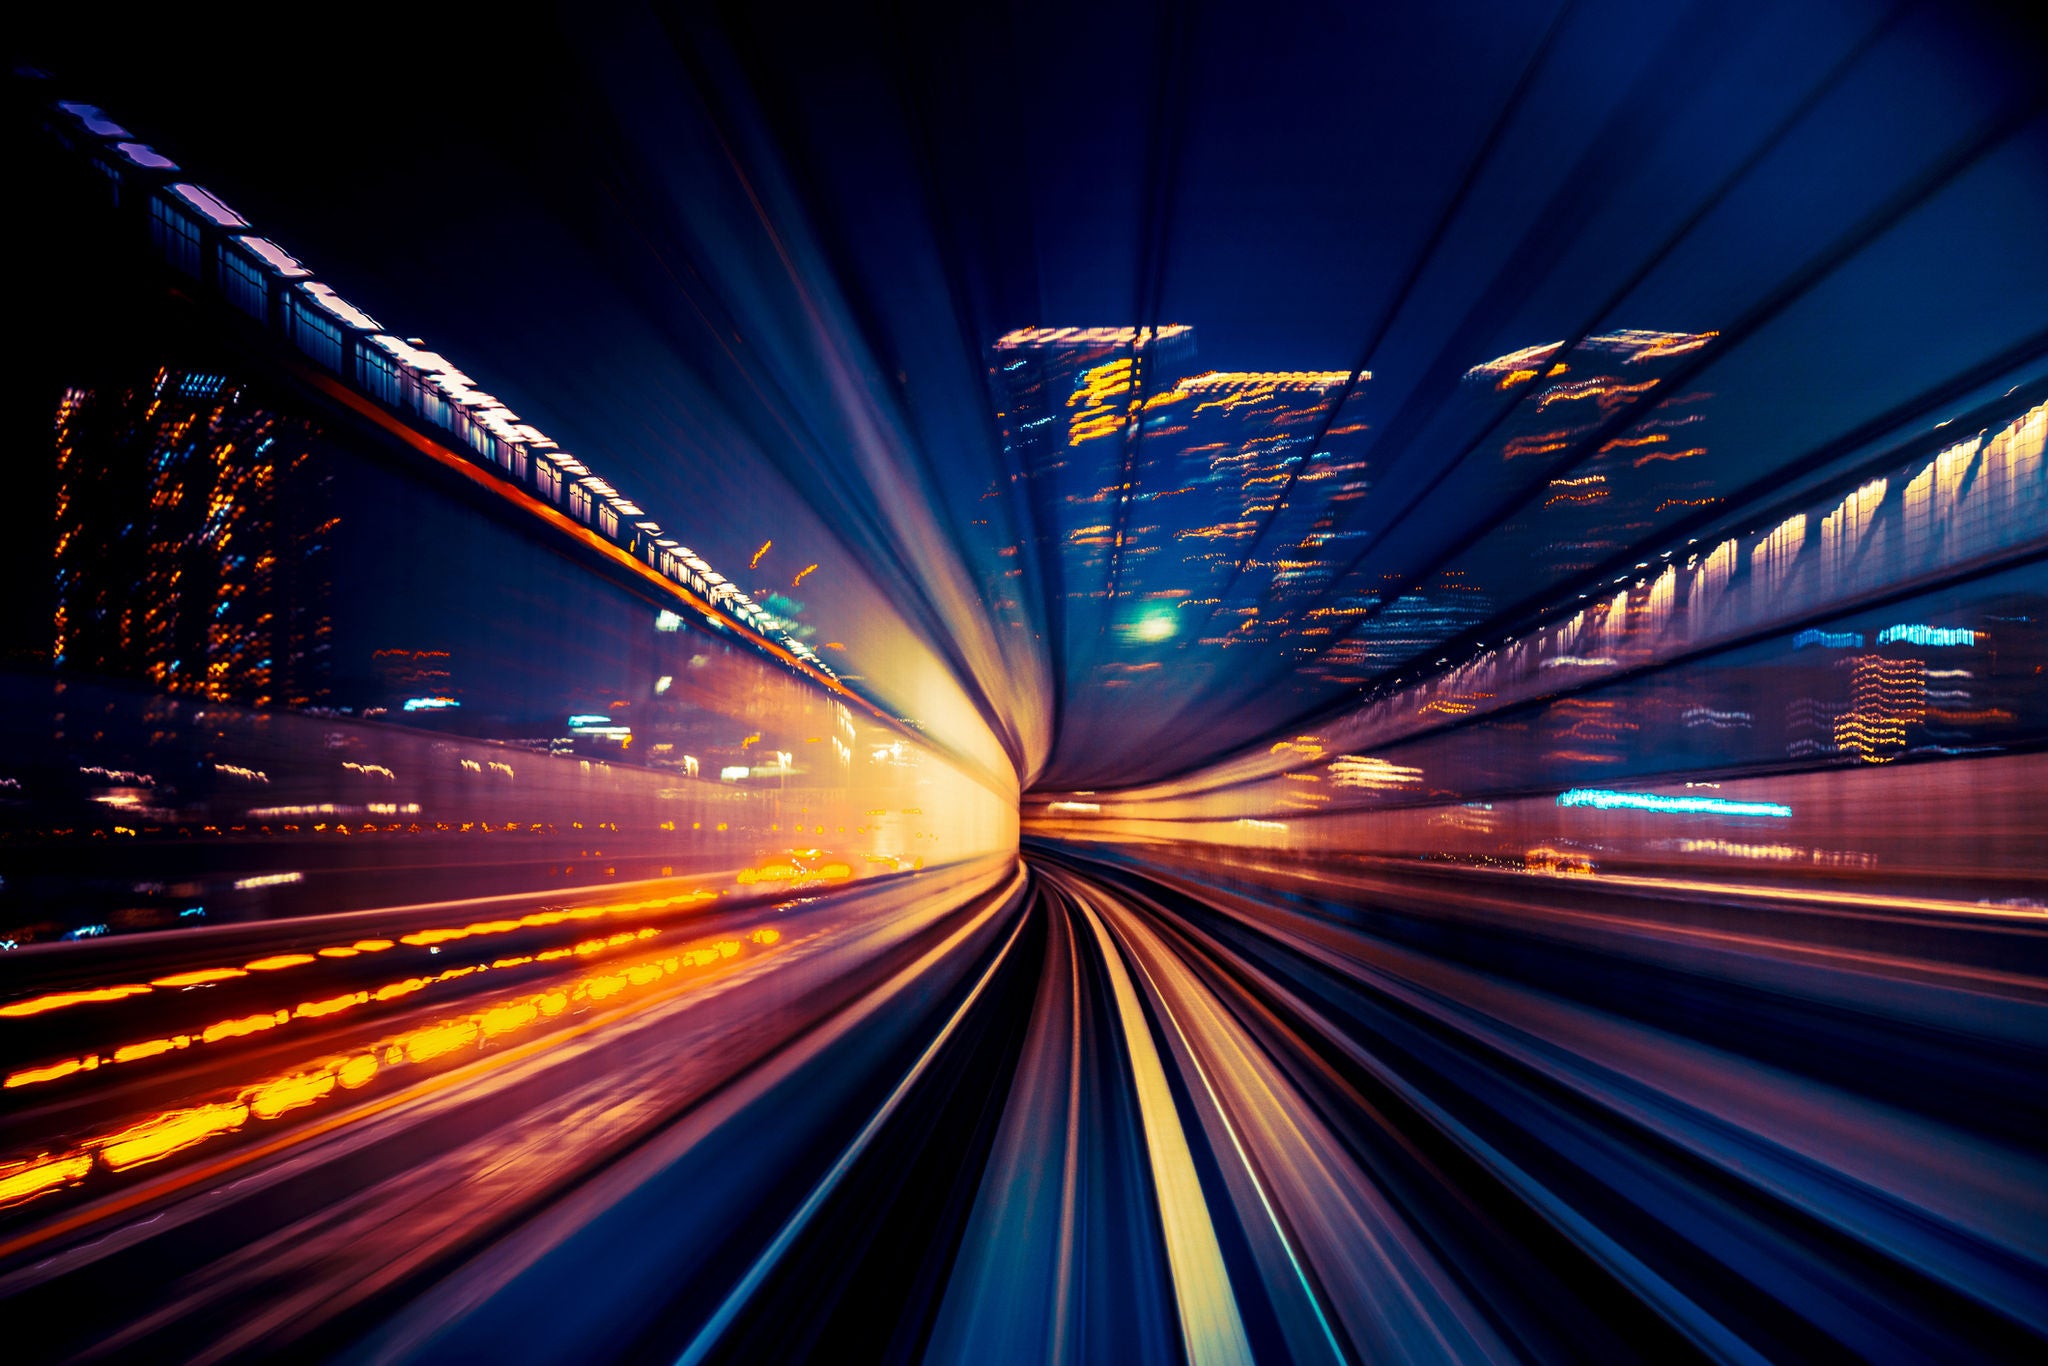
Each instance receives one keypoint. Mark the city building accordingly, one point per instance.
(193, 542)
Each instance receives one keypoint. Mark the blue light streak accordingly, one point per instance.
(1829, 640)
(1604, 800)
(1917, 634)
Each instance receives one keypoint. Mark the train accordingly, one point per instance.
(201, 238)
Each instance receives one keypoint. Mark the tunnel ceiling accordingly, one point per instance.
(1136, 387)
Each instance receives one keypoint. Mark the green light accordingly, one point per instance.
(1155, 626)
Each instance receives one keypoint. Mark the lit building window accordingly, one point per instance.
(434, 405)
(245, 284)
(579, 502)
(380, 376)
(113, 175)
(176, 236)
(548, 480)
(315, 335)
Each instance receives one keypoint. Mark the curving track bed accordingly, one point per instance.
(1092, 1112)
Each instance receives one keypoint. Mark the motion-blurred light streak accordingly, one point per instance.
(1369, 695)
(159, 1137)
(1211, 1329)
(1602, 800)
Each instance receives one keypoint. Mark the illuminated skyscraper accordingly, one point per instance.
(1168, 500)
(1595, 502)
(1225, 449)
(1607, 498)
(192, 542)
(1886, 697)
(1065, 400)
(1155, 481)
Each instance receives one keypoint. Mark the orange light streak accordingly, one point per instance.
(434, 1041)
(164, 1134)
(275, 1098)
(313, 1010)
(36, 1005)
(237, 1028)
(279, 960)
(29, 1076)
(198, 978)
(25, 1181)
(234, 1029)
(158, 1138)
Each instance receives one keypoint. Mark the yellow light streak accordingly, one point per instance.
(24, 1181)
(158, 1138)
(279, 961)
(37, 1005)
(199, 978)
(1211, 1327)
